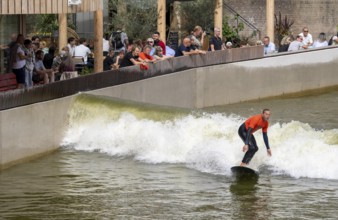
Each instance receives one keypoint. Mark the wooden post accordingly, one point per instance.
(270, 25)
(98, 41)
(219, 14)
(161, 21)
(62, 31)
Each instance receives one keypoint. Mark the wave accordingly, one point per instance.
(201, 141)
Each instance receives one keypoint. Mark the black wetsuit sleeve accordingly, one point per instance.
(266, 140)
(248, 136)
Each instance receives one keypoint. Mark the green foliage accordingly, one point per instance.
(282, 27)
(198, 12)
(138, 18)
(86, 71)
(47, 23)
(231, 29)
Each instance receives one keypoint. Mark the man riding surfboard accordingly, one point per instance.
(246, 131)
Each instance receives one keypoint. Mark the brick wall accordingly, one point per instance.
(317, 15)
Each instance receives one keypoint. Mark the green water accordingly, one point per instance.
(88, 181)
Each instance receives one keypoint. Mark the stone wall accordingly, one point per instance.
(317, 15)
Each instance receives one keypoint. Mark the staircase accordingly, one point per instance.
(242, 19)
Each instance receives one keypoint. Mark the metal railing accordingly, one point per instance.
(245, 21)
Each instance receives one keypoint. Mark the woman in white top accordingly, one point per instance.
(18, 61)
(321, 42)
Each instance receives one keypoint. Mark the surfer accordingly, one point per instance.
(246, 131)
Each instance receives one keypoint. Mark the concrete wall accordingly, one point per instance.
(234, 82)
(31, 131)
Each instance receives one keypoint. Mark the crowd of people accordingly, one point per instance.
(34, 63)
(302, 41)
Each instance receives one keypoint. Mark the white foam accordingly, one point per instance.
(208, 143)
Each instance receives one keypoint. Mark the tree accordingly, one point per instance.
(231, 29)
(198, 12)
(138, 18)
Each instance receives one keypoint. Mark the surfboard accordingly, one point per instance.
(242, 171)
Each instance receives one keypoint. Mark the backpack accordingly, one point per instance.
(116, 40)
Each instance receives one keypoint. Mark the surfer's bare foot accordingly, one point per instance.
(243, 165)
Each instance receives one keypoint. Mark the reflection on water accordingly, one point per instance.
(82, 185)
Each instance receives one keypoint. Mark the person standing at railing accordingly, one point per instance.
(216, 41)
(30, 58)
(186, 49)
(18, 61)
(158, 42)
(196, 34)
(307, 37)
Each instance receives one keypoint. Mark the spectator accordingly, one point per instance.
(285, 43)
(63, 55)
(269, 47)
(35, 39)
(83, 51)
(118, 60)
(216, 40)
(43, 47)
(228, 45)
(192, 43)
(119, 40)
(108, 62)
(297, 44)
(307, 38)
(131, 58)
(90, 44)
(71, 45)
(40, 72)
(321, 41)
(105, 46)
(150, 42)
(18, 61)
(10, 48)
(67, 68)
(334, 40)
(169, 52)
(30, 58)
(158, 55)
(49, 57)
(198, 33)
(145, 55)
(35, 47)
(185, 49)
(158, 42)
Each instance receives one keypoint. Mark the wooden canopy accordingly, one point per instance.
(19, 7)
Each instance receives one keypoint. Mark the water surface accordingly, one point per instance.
(126, 161)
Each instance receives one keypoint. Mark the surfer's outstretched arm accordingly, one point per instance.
(266, 141)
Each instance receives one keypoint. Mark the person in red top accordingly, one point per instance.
(158, 42)
(246, 131)
(145, 55)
